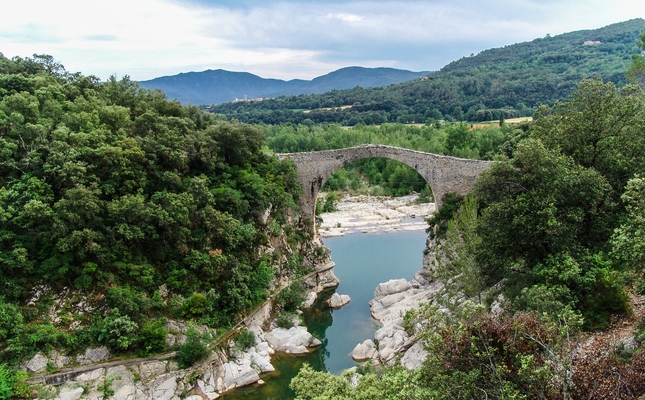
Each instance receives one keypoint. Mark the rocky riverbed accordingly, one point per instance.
(391, 301)
(375, 214)
(393, 298)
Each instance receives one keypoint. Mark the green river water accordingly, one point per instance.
(363, 260)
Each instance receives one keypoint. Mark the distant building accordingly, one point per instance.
(247, 99)
(591, 42)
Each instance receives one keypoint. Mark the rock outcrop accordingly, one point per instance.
(364, 351)
(295, 340)
(391, 301)
(162, 379)
(338, 300)
(309, 300)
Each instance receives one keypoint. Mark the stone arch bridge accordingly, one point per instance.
(444, 174)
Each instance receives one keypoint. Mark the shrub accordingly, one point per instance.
(128, 301)
(153, 337)
(245, 339)
(11, 320)
(119, 331)
(195, 306)
(7, 378)
(34, 338)
(289, 299)
(193, 350)
(602, 375)
(639, 332)
(285, 320)
(439, 220)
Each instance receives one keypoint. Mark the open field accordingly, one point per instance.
(478, 125)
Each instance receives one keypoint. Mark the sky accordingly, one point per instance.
(284, 39)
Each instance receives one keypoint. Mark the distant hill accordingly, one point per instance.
(514, 79)
(219, 86)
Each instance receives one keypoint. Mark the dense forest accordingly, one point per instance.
(133, 204)
(513, 81)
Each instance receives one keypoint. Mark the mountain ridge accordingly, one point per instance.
(220, 86)
(513, 80)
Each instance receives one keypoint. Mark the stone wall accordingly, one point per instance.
(444, 174)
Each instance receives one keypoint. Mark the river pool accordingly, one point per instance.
(362, 262)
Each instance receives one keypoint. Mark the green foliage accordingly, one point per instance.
(285, 319)
(193, 350)
(13, 384)
(542, 223)
(119, 332)
(152, 338)
(438, 223)
(473, 353)
(7, 378)
(390, 383)
(552, 220)
(113, 189)
(195, 305)
(329, 204)
(639, 331)
(629, 239)
(106, 386)
(636, 72)
(128, 301)
(245, 339)
(599, 127)
(11, 321)
(32, 338)
(290, 298)
(459, 269)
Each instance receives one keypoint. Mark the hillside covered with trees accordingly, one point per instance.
(513, 80)
(130, 203)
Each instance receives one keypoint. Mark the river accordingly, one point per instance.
(363, 260)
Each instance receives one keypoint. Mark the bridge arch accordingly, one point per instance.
(444, 174)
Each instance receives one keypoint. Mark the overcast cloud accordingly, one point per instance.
(284, 39)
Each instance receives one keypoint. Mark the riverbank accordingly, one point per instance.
(369, 214)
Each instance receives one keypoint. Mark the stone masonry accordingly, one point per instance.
(444, 174)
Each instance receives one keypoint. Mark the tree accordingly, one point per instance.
(541, 227)
(459, 269)
(629, 239)
(636, 71)
(599, 127)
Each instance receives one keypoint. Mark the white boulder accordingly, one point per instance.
(291, 341)
(338, 300)
(390, 287)
(364, 351)
(37, 363)
(309, 300)
(414, 357)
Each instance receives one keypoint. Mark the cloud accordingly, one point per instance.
(101, 38)
(285, 38)
(345, 17)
